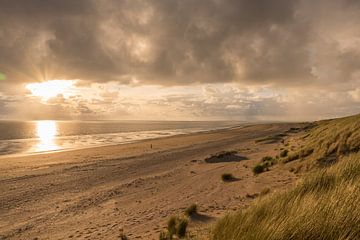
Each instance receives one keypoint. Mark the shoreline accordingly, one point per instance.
(24, 154)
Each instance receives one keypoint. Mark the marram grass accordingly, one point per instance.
(329, 138)
(323, 205)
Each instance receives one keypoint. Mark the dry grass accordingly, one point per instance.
(328, 140)
(191, 210)
(175, 226)
(324, 205)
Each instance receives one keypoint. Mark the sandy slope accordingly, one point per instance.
(95, 193)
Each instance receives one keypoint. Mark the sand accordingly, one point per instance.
(97, 193)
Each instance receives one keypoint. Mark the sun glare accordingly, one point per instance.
(46, 132)
(49, 89)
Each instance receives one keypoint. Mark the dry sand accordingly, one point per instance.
(95, 193)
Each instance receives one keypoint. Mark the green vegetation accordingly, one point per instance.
(227, 177)
(266, 158)
(322, 205)
(191, 210)
(178, 225)
(181, 227)
(259, 168)
(175, 226)
(268, 161)
(171, 225)
(264, 165)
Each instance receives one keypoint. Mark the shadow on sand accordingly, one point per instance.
(198, 217)
(234, 179)
(230, 156)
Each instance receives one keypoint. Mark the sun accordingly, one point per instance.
(50, 89)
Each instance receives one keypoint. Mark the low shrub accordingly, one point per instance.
(259, 168)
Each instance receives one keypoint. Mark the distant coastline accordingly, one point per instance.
(48, 141)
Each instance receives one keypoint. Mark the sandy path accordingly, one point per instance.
(94, 193)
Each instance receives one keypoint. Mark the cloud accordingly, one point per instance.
(228, 101)
(181, 42)
(182, 59)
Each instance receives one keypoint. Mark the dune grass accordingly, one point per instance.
(181, 228)
(191, 210)
(324, 205)
(264, 165)
(329, 138)
(175, 226)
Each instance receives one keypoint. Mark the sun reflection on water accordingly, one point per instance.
(46, 132)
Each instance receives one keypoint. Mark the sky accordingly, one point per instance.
(286, 60)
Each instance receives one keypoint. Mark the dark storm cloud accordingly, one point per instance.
(176, 42)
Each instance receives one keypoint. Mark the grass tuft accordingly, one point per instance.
(181, 227)
(175, 226)
(227, 177)
(171, 225)
(191, 210)
(259, 168)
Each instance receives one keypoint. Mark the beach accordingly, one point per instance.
(100, 192)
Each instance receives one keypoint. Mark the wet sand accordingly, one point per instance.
(97, 193)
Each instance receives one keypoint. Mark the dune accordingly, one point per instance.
(323, 204)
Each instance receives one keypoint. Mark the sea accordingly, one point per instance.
(31, 137)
